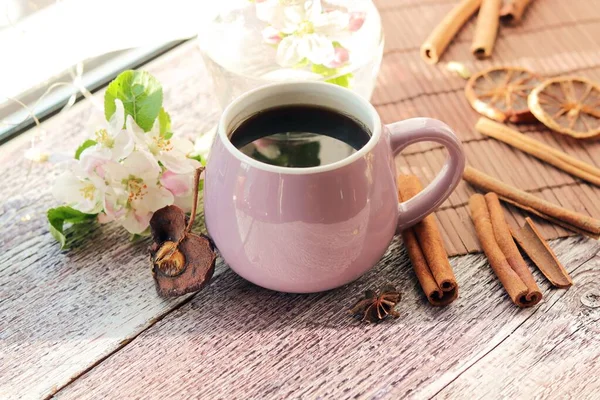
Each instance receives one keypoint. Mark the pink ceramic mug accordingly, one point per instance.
(306, 230)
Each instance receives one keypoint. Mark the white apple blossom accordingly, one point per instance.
(80, 191)
(111, 137)
(137, 189)
(172, 152)
(308, 32)
(129, 174)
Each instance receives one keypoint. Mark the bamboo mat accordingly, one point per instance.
(555, 37)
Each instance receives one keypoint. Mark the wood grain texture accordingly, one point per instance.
(60, 312)
(237, 341)
(63, 313)
(553, 354)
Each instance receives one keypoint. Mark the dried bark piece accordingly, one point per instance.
(541, 254)
(500, 93)
(374, 308)
(182, 262)
(569, 105)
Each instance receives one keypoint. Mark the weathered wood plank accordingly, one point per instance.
(553, 354)
(235, 340)
(60, 312)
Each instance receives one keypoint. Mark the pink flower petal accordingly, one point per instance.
(271, 35)
(340, 58)
(357, 20)
(177, 184)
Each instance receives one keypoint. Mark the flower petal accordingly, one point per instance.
(67, 188)
(176, 162)
(319, 49)
(288, 51)
(115, 173)
(313, 9)
(143, 165)
(357, 20)
(80, 194)
(293, 15)
(117, 120)
(113, 204)
(136, 133)
(185, 202)
(136, 222)
(178, 184)
(331, 24)
(181, 145)
(154, 199)
(271, 35)
(204, 143)
(340, 58)
(123, 146)
(93, 158)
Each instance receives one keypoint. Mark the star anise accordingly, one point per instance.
(374, 308)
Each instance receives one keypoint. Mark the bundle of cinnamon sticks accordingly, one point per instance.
(501, 251)
(496, 237)
(426, 251)
(430, 261)
(490, 13)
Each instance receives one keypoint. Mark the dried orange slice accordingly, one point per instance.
(500, 93)
(569, 105)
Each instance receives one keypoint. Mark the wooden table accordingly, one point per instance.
(87, 323)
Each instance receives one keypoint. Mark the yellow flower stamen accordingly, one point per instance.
(305, 28)
(136, 187)
(88, 191)
(104, 138)
(159, 144)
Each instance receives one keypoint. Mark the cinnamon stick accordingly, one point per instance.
(486, 29)
(512, 11)
(426, 251)
(551, 219)
(541, 254)
(509, 248)
(517, 290)
(522, 198)
(440, 37)
(549, 154)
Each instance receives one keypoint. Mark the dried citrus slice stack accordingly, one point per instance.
(569, 105)
(500, 93)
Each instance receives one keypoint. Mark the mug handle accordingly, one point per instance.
(411, 131)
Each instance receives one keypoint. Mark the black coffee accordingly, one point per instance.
(299, 136)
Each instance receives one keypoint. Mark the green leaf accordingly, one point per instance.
(201, 185)
(198, 158)
(164, 123)
(302, 63)
(57, 217)
(141, 94)
(323, 70)
(343, 80)
(137, 236)
(84, 145)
